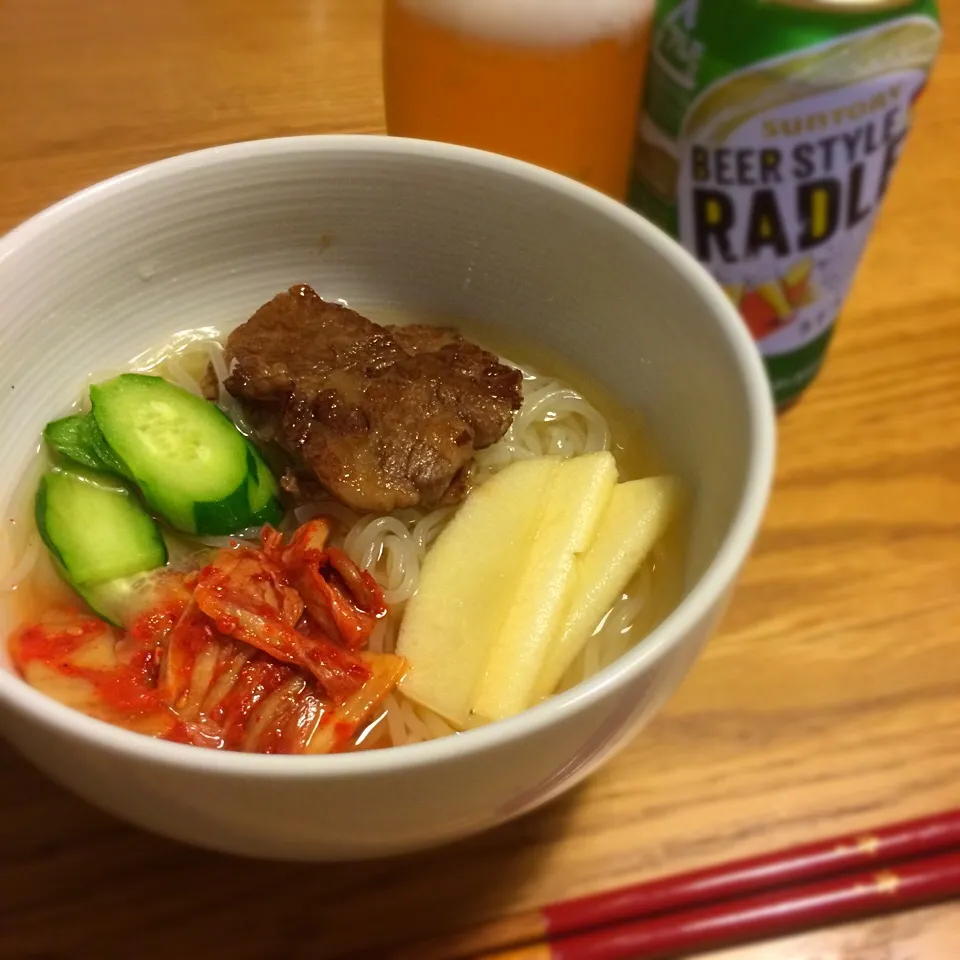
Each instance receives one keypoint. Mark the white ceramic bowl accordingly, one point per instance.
(204, 239)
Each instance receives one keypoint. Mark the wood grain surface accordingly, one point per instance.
(829, 700)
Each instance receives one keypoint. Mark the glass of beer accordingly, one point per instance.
(553, 82)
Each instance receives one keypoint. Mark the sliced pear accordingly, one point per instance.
(639, 513)
(574, 504)
(467, 584)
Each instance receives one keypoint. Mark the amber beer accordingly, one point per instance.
(553, 82)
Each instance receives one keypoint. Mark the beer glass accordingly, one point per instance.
(553, 82)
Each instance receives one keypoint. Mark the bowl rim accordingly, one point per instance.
(722, 571)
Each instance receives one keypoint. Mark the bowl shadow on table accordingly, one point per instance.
(76, 882)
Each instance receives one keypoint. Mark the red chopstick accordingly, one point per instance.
(785, 871)
(779, 912)
(812, 861)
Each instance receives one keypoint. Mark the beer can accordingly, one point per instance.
(767, 138)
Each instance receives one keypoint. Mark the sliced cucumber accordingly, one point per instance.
(191, 463)
(252, 504)
(121, 601)
(78, 438)
(96, 529)
(263, 490)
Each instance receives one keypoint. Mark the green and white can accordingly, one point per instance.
(767, 139)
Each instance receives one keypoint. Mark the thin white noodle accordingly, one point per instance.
(385, 546)
(414, 724)
(396, 568)
(428, 528)
(173, 371)
(373, 733)
(378, 638)
(436, 726)
(179, 343)
(615, 634)
(227, 403)
(210, 349)
(215, 353)
(553, 406)
(251, 535)
(372, 530)
(395, 722)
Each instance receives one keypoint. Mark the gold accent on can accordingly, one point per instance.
(887, 882)
(868, 844)
(842, 6)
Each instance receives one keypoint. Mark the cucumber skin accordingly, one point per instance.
(231, 514)
(78, 438)
(40, 519)
(239, 510)
(264, 490)
(39, 515)
(90, 592)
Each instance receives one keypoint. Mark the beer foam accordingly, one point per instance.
(547, 22)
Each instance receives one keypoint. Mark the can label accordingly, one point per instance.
(773, 173)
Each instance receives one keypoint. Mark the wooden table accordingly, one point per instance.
(828, 702)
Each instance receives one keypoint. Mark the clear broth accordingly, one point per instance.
(662, 576)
